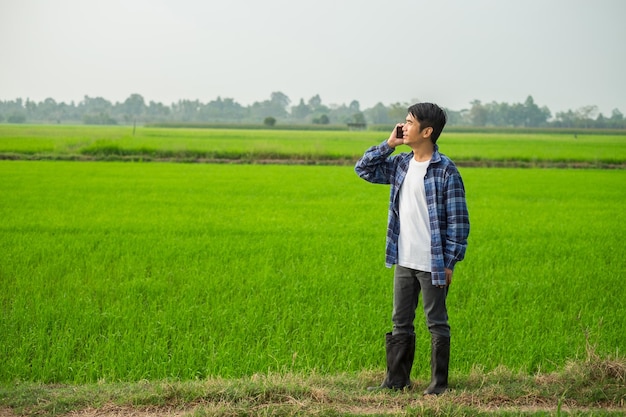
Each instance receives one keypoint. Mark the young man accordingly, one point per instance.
(427, 232)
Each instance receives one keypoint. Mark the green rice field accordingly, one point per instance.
(123, 142)
(143, 271)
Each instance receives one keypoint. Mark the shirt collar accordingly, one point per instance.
(436, 155)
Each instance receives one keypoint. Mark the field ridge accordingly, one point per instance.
(319, 160)
(594, 386)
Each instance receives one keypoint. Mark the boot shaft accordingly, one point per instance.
(439, 364)
(400, 351)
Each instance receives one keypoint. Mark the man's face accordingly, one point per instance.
(414, 135)
(411, 129)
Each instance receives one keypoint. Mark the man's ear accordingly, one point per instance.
(428, 131)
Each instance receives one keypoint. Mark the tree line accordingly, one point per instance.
(279, 109)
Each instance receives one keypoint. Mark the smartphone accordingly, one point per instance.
(399, 133)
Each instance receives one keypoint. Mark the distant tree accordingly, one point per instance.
(276, 106)
(17, 118)
(533, 115)
(398, 111)
(279, 99)
(133, 107)
(301, 111)
(478, 113)
(318, 109)
(497, 114)
(224, 110)
(315, 102)
(30, 107)
(339, 113)
(157, 111)
(186, 110)
(617, 115)
(358, 118)
(94, 104)
(581, 118)
(97, 110)
(279, 103)
(355, 107)
(259, 110)
(379, 114)
(98, 119)
(321, 120)
(93, 107)
(585, 116)
(565, 119)
(269, 121)
(455, 118)
(49, 110)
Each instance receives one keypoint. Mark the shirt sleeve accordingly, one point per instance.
(457, 220)
(376, 165)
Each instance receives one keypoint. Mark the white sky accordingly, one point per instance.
(565, 53)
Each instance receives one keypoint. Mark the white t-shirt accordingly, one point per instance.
(414, 239)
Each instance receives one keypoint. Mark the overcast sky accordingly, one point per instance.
(565, 53)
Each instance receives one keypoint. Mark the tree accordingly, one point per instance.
(566, 119)
(133, 107)
(478, 113)
(301, 111)
(49, 110)
(533, 115)
(101, 111)
(454, 117)
(358, 119)
(322, 120)
(355, 107)
(601, 122)
(398, 111)
(279, 103)
(280, 100)
(17, 117)
(379, 114)
(223, 110)
(186, 110)
(586, 114)
(95, 105)
(617, 115)
(157, 111)
(98, 119)
(275, 107)
(315, 102)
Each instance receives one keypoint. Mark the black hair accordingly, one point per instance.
(430, 115)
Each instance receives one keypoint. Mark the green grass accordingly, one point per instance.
(99, 142)
(136, 271)
(591, 387)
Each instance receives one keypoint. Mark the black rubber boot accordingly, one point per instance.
(439, 362)
(400, 354)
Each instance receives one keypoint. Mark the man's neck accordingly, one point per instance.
(423, 152)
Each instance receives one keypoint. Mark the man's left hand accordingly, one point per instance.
(448, 278)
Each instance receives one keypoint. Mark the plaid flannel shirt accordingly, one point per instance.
(445, 197)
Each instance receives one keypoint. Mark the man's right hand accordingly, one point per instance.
(393, 141)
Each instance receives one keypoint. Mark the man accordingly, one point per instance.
(427, 232)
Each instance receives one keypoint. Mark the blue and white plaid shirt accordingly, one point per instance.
(445, 197)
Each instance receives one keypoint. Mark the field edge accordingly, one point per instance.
(320, 160)
(595, 386)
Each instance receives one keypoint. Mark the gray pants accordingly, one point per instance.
(407, 285)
